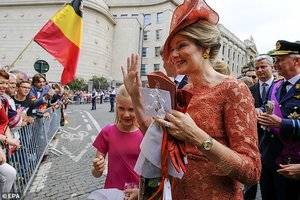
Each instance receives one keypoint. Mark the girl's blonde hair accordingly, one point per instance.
(206, 35)
(121, 93)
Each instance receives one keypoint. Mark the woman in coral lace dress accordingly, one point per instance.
(220, 125)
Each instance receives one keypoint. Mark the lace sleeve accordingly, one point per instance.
(241, 130)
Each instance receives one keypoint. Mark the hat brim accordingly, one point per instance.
(282, 53)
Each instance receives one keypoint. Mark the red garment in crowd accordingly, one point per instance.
(3, 116)
(227, 114)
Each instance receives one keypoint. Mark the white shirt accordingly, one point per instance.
(179, 78)
(292, 82)
(268, 82)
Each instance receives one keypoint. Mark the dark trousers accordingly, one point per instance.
(93, 104)
(62, 116)
(101, 99)
(112, 106)
(276, 187)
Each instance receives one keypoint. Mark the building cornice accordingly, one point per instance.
(136, 4)
(87, 4)
(231, 36)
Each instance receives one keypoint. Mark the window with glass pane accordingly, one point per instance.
(156, 67)
(157, 51)
(144, 52)
(158, 34)
(159, 18)
(145, 35)
(143, 70)
(147, 19)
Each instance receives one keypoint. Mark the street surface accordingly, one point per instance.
(68, 176)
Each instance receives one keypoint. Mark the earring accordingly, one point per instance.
(205, 55)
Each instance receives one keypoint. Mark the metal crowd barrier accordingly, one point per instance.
(35, 139)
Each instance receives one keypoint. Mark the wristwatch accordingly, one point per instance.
(207, 144)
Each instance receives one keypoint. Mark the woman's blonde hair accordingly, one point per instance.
(221, 67)
(206, 35)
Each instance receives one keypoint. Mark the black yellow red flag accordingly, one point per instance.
(61, 37)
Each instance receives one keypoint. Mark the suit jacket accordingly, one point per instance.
(290, 109)
(269, 144)
(183, 82)
(258, 103)
(284, 146)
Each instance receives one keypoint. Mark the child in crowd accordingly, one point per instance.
(121, 142)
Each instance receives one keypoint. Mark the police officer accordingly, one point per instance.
(94, 96)
(281, 145)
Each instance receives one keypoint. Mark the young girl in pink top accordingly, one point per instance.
(121, 142)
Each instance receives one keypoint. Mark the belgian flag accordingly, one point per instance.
(61, 37)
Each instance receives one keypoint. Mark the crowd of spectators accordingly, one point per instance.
(22, 100)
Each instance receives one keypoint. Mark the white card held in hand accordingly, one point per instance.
(156, 102)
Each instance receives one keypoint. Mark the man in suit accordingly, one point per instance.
(281, 146)
(260, 92)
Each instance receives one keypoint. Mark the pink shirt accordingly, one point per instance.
(123, 149)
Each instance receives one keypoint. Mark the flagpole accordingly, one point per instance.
(29, 43)
(20, 55)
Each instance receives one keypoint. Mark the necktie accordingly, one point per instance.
(264, 92)
(283, 89)
(176, 82)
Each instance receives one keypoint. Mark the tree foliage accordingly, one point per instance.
(78, 84)
(100, 82)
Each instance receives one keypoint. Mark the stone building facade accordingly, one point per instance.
(112, 30)
(20, 20)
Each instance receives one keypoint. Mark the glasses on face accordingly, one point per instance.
(13, 85)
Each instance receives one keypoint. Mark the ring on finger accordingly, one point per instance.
(168, 125)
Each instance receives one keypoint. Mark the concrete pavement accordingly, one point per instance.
(68, 176)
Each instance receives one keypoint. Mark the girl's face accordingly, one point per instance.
(125, 113)
(3, 85)
(186, 56)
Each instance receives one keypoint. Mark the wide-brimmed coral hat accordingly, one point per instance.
(186, 14)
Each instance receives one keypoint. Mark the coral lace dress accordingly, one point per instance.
(226, 112)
